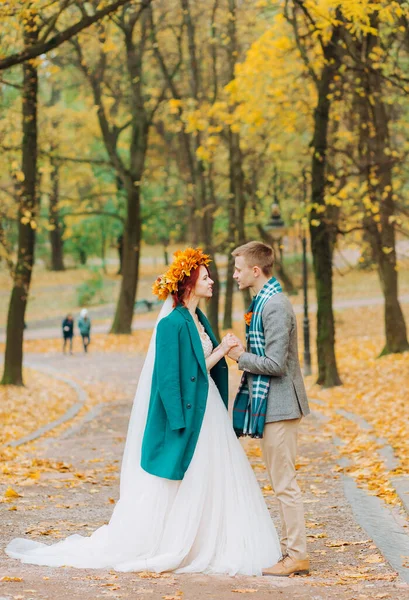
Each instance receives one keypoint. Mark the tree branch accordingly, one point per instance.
(63, 36)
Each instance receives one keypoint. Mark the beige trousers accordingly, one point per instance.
(279, 446)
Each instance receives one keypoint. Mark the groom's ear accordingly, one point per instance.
(257, 271)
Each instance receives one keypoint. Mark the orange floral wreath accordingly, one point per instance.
(184, 262)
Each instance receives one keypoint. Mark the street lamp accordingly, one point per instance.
(276, 226)
(306, 321)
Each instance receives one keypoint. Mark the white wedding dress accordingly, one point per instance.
(213, 521)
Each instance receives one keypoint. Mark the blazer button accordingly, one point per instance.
(193, 378)
(188, 406)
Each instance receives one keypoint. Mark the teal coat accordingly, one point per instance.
(180, 385)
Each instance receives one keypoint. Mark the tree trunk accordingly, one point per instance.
(284, 278)
(213, 306)
(204, 200)
(229, 294)
(321, 243)
(378, 168)
(132, 180)
(129, 176)
(237, 209)
(103, 248)
(7, 249)
(237, 179)
(232, 232)
(395, 327)
(130, 263)
(82, 255)
(366, 260)
(56, 241)
(382, 239)
(27, 213)
(120, 247)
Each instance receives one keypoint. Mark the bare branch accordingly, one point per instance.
(17, 86)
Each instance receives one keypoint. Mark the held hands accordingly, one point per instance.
(228, 342)
(232, 346)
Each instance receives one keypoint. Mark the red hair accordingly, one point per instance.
(186, 286)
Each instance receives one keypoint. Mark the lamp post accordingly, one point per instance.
(306, 321)
(276, 226)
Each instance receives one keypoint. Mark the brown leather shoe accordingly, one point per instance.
(289, 566)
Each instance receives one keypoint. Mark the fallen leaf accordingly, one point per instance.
(151, 575)
(7, 578)
(374, 559)
(10, 493)
(339, 543)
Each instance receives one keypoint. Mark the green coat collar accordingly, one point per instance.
(194, 334)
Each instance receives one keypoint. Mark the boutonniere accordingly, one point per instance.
(247, 318)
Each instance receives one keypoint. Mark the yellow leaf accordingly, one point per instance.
(10, 493)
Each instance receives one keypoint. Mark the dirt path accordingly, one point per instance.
(78, 496)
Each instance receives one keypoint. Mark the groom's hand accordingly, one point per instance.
(237, 351)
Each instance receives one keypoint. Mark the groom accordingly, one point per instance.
(271, 399)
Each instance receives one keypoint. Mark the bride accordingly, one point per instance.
(189, 500)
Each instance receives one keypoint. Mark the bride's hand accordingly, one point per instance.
(228, 342)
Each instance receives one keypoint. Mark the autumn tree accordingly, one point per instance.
(186, 104)
(372, 76)
(125, 111)
(27, 213)
(328, 57)
(39, 22)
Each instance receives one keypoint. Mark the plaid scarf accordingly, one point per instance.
(249, 415)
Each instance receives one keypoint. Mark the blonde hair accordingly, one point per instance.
(257, 254)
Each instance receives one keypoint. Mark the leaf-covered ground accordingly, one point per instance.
(25, 409)
(68, 480)
(68, 483)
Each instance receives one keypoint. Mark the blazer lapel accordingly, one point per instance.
(195, 338)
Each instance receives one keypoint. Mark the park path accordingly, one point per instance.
(78, 496)
(51, 328)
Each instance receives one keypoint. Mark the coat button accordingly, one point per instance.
(193, 378)
(188, 406)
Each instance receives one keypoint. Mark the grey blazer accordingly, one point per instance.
(287, 398)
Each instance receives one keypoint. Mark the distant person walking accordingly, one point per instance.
(68, 331)
(84, 325)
